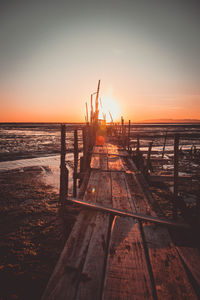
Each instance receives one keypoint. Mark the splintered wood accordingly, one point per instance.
(121, 258)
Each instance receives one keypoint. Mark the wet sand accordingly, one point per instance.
(32, 233)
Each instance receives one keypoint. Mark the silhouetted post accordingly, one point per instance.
(87, 135)
(163, 152)
(129, 130)
(83, 159)
(64, 173)
(87, 120)
(198, 211)
(75, 163)
(138, 145)
(176, 157)
(122, 130)
(84, 140)
(149, 157)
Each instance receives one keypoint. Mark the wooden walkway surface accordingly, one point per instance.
(121, 258)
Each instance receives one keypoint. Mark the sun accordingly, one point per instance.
(109, 106)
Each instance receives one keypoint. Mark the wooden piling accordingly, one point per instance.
(165, 139)
(89, 138)
(75, 163)
(149, 158)
(129, 133)
(64, 173)
(138, 145)
(176, 158)
(122, 130)
(128, 139)
(87, 120)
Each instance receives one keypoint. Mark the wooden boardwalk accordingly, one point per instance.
(110, 257)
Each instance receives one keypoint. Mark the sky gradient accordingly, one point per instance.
(52, 53)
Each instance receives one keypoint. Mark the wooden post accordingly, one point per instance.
(149, 157)
(88, 143)
(163, 152)
(198, 211)
(75, 163)
(122, 130)
(86, 112)
(91, 111)
(64, 173)
(129, 130)
(176, 157)
(138, 145)
(84, 140)
(84, 158)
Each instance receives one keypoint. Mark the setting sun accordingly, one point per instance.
(110, 107)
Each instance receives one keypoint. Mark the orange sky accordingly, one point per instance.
(136, 107)
(52, 56)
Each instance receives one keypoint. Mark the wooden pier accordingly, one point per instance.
(120, 247)
(111, 257)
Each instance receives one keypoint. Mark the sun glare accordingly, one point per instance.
(110, 106)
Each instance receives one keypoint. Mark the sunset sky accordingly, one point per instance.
(52, 54)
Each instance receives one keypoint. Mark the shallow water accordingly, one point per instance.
(49, 165)
(34, 145)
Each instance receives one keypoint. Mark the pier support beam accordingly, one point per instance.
(176, 157)
(75, 163)
(64, 173)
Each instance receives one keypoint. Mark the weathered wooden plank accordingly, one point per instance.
(191, 258)
(120, 193)
(68, 271)
(75, 274)
(104, 195)
(92, 187)
(113, 149)
(95, 161)
(90, 285)
(115, 163)
(99, 160)
(66, 276)
(100, 149)
(127, 275)
(104, 162)
(170, 278)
